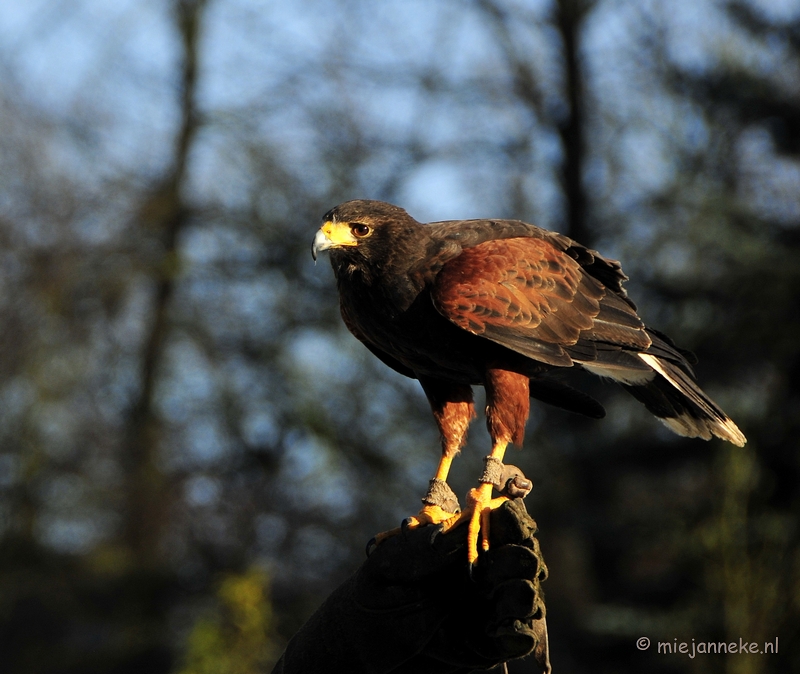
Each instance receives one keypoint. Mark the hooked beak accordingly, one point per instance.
(332, 235)
(321, 242)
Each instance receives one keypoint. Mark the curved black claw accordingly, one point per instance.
(372, 545)
(405, 524)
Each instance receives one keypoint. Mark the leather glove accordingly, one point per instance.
(413, 607)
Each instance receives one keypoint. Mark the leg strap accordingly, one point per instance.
(440, 494)
(506, 479)
(492, 470)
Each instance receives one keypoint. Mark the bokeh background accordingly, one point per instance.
(194, 451)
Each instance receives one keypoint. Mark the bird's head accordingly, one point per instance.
(365, 233)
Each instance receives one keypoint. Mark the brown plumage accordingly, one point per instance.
(499, 303)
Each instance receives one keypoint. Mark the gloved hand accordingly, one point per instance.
(413, 608)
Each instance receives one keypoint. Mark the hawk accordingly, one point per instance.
(500, 304)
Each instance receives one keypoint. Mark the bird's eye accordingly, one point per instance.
(359, 230)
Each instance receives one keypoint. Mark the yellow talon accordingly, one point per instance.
(428, 514)
(479, 506)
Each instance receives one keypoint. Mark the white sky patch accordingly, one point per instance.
(322, 357)
(191, 382)
(778, 10)
(205, 441)
(648, 165)
(202, 490)
(770, 182)
(438, 191)
(315, 478)
(692, 27)
(76, 534)
(260, 429)
(675, 258)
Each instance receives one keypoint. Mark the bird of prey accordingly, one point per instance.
(500, 304)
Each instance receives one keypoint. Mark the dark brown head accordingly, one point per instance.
(368, 235)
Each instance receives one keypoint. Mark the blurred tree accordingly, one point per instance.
(725, 279)
(163, 216)
(753, 544)
(180, 403)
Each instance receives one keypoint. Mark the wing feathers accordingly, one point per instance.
(615, 310)
(562, 306)
(529, 296)
(524, 286)
(549, 353)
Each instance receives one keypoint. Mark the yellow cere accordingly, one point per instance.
(339, 233)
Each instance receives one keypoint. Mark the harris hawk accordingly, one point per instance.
(499, 304)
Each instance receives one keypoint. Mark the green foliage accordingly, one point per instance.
(237, 635)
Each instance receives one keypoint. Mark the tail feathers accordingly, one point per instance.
(678, 401)
(664, 347)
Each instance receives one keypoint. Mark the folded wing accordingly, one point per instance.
(533, 297)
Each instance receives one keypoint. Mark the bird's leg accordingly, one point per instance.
(439, 503)
(480, 503)
(453, 410)
(507, 407)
